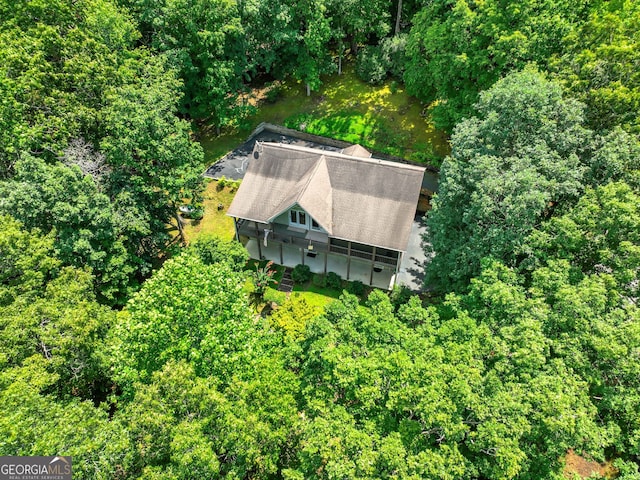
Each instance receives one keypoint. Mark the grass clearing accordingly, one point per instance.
(316, 296)
(383, 118)
(215, 221)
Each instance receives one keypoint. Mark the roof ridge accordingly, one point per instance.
(306, 178)
(313, 178)
(315, 168)
(297, 192)
(373, 160)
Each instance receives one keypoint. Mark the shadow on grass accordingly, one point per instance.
(347, 109)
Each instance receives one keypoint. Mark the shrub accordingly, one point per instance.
(393, 51)
(197, 213)
(334, 281)
(293, 317)
(400, 295)
(427, 155)
(233, 184)
(271, 295)
(212, 250)
(301, 274)
(222, 182)
(263, 278)
(356, 288)
(319, 280)
(371, 65)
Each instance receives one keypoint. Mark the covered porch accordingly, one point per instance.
(321, 260)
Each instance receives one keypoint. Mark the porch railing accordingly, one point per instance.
(248, 229)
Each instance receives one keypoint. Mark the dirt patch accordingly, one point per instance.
(583, 467)
(260, 95)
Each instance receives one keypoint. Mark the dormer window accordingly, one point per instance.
(298, 218)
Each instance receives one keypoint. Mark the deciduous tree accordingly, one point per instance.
(459, 48)
(509, 168)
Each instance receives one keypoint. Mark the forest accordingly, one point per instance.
(142, 356)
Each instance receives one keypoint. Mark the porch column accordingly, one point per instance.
(302, 255)
(281, 257)
(373, 260)
(235, 227)
(258, 241)
(395, 277)
(348, 259)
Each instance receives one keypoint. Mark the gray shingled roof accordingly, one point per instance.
(363, 200)
(356, 151)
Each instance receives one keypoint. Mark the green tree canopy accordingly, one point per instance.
(204, 41)
(27, 260)
(187, 311)
(76, 89)
(151, 152)
(50, 322)
(58, 60)
(62, 201)
(599, 65)
(459, 48)
(509, 168)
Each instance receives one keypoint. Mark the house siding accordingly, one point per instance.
(282, 219)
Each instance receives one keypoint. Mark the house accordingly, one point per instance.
(335, 211)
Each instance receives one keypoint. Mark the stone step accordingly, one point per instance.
(285, 287)
(286, 283)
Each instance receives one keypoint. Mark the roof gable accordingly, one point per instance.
(356, 151)
(317, 196)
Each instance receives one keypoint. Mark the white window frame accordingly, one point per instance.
(318, 228)
(297, 223)
(308, 224)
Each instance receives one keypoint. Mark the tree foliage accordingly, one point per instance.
(155, 162)
(206, 46)
(55, 72)
(50, 319)
(70, 206)
(76, 89)
(27, 260)
(599, 65)
(186, 311)
(497, 383)
(212, 250)
(532, 352)
(509, 168)
(458, 48)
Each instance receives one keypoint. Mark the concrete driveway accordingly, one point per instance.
(411, 272)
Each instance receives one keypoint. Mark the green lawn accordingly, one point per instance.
(383, 118)
(344, 108)
(316, 296)
(215, 222)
